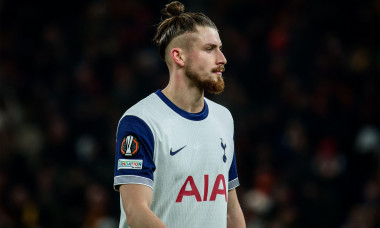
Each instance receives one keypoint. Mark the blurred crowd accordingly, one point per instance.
(302, 82)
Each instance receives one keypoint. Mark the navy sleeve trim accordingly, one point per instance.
(232, 174)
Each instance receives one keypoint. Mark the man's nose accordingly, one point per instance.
(221, 58)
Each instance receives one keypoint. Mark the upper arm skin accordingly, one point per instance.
(235, 217)
(136, 200)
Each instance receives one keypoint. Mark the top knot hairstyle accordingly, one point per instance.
(173, 9)
(175, 22)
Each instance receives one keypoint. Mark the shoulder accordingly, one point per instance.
(218, 109)
(220, 114)
(149, 111)
(136, 121)
(143, 106)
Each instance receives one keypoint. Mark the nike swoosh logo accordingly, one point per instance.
(172, 153)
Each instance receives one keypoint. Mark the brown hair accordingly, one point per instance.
(177, 22)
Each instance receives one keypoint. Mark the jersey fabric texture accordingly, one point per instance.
(187, 159)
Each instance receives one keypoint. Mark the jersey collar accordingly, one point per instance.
(190, 116)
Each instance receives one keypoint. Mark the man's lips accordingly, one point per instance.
(219, 70)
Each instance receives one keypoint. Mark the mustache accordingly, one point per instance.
(220, 68)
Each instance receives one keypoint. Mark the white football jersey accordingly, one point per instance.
(187, 159)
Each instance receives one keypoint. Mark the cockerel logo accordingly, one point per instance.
(224, 149)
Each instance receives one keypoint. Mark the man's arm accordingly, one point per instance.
(235, 217)
(136, 200)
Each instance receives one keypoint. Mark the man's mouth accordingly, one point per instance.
(219, 70)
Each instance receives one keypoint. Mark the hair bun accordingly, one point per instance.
(173, 9)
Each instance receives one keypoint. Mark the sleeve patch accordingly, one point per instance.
(129, 164)
(130, 146)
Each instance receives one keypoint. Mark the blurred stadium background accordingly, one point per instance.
(303, 84)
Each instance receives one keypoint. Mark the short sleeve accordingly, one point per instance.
(134, 153)
(233, 180)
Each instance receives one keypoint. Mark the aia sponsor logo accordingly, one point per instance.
(195, 193)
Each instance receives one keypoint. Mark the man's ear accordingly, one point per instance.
(177, 56)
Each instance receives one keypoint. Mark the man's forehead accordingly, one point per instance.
(205, 35)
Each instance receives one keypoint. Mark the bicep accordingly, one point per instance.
(235, 217)
(136, 200)
(232, 200)
(133, 195)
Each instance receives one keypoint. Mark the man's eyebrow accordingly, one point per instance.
(212, 45)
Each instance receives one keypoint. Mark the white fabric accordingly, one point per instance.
(201, 158)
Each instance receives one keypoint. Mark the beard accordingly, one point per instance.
(209, 84)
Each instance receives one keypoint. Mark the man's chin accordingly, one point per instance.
(214, 83)
(215, 92)
(214, 87)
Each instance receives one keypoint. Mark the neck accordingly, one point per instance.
(184, 94)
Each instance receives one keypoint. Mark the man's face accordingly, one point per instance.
(205, 61)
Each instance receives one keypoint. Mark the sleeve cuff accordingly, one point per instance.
(233, 184)
(131, 179)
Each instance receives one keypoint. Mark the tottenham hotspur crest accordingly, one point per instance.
(224, 149)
